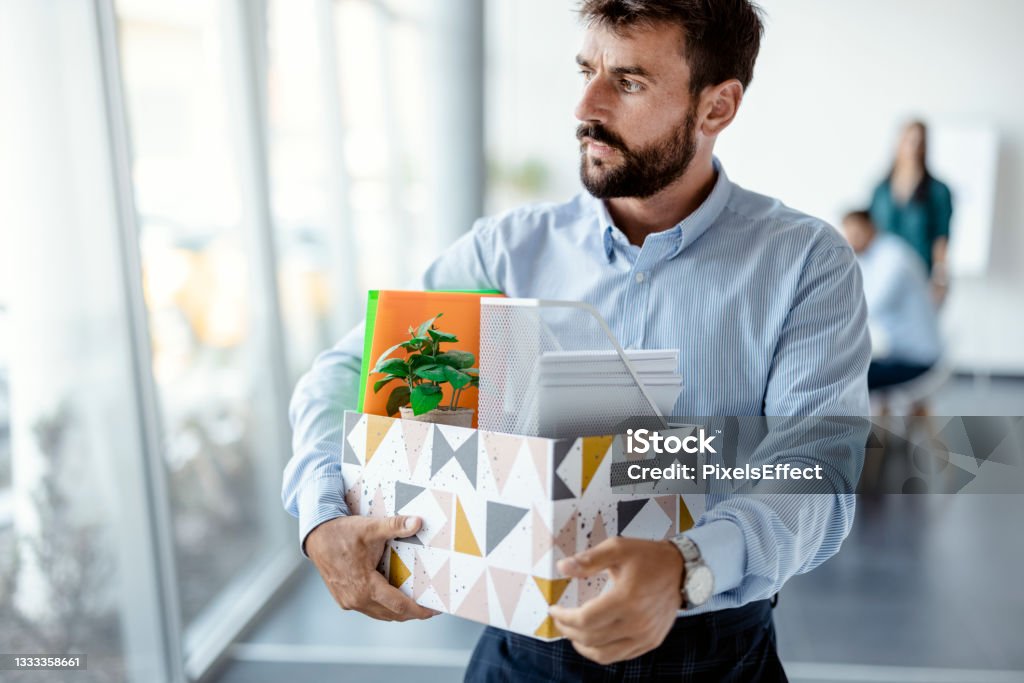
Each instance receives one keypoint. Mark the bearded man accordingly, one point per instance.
(764, 303)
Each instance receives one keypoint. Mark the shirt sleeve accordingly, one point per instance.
(879, 209)
(892, 266)
(942, 209)
(312, 487)
(754, 542)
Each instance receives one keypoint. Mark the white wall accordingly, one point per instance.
(834, 82)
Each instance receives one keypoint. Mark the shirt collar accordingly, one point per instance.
(681, 234)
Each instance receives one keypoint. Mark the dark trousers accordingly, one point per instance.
(887, 373)
(729, 646)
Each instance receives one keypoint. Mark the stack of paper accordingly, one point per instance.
(593, 389)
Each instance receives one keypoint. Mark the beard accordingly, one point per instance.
(641, 172)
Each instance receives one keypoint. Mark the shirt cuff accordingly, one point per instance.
(723, 550)
(319, 500)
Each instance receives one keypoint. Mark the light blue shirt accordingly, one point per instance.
(765, 304)
(901, 311)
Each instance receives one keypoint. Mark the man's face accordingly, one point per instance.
(858, 233)
(638, 130)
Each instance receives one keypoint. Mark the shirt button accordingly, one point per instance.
(639, 278)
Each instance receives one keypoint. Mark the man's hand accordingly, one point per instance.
(637, 612)
(346, 551)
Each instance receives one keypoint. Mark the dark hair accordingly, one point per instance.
(920, 193)
(859, 215)
(722, 36)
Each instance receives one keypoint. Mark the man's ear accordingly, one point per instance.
(719, 104)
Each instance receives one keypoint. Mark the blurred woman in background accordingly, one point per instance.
(914, 205)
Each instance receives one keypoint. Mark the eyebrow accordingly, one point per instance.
(621, 70)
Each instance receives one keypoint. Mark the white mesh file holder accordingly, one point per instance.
(515, 334)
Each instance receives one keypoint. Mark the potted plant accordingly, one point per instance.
(423, 373)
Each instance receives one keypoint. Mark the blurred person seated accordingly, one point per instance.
(901, 312)
(913, 204)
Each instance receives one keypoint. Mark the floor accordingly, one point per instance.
(926, 588)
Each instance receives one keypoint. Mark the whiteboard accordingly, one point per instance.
(965, 157)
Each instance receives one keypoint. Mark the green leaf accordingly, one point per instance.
(414, 344)
(435, 373)
(421, 359)
(398, 398)
(457, 359)
(438, 336)
(393, 366)
(456, 378)
(421, 331)
(424, 398)
(384, 356)
(475, 372)
(379, 384)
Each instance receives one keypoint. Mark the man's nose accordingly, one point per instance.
(593, 104)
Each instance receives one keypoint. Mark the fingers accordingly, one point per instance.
(616, 651)
(605, 555)
(348, 551)
(595, 623)
(393, 603)
(591, 637)
(397, 527)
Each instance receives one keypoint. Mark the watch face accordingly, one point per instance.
(699, 584)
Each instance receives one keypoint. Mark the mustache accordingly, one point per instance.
(598, 133)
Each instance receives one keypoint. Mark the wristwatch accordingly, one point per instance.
(698, 581)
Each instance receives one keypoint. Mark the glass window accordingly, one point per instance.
(209, 358)
(77, 551)
(309, 189)
(348, 139)
(5, 405)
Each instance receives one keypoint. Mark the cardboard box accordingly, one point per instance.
(498, 511)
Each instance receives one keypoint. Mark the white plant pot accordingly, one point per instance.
(460, 417)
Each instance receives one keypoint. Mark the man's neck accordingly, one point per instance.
(638, 218)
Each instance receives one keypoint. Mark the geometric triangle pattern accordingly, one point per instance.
(422, 580)
(465, 541)
(497, 520)
(377, 428)
(685, 518)
(551, 589)
(628, 509)
(378, 506)
(542, 538)
(508, 586)
(466, 455)
(354, 494)
(415, 436)
(501, 519)
(650, 522)
(559, 489)
(404, 493)
(539, 455)
(594, 450)
(547, 629)
(398, 572)
(443, 538)
(474, 605)
(502, 450)
(565, 539)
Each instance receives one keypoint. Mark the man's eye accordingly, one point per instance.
(586, 74)
(630, 86)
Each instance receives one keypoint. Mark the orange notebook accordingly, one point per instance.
(396, 312)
